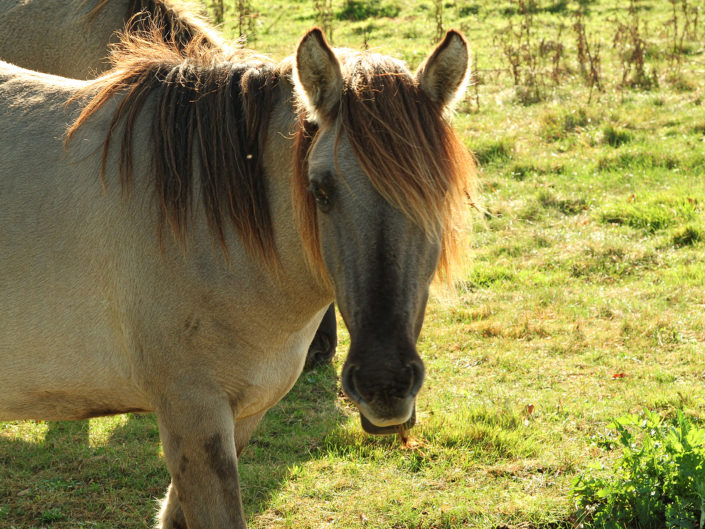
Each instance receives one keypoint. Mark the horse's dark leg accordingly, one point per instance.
(197, 433)
(322, 349)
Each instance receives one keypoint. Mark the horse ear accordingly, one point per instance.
(318, 76)
(445, 73)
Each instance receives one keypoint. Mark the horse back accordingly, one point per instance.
(59, 36)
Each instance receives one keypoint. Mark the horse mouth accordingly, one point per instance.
(387, 430)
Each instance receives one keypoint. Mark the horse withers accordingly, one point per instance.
(152, 262)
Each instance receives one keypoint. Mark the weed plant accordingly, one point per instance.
(358, 10)
(588, 55)
(323, 17)
(523, 52)
(657, 481)
(630, 43)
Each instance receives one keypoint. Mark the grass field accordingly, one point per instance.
(583, 297)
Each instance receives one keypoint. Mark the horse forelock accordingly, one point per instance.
(405, 145)
(304, 204)
(208, 131)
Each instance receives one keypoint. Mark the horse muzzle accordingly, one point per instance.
(383, 412)
(387, 430)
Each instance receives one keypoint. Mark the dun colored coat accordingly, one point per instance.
(70, 38)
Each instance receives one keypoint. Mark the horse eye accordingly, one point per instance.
(320, 195)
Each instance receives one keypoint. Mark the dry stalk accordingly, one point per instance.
(588, 56)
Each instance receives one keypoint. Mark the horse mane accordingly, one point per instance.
(406, 147)
(210, 119)
(180, 23)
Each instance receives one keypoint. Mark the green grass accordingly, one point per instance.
(588, 263)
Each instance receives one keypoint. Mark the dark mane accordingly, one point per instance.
(406, 147)
(210, 126)
(179, 24)
(208, 133)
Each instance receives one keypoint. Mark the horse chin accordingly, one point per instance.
(387, 427)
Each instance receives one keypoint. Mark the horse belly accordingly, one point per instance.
(59, 359)
(64, 351)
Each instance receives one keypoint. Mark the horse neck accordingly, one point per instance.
(290, 295)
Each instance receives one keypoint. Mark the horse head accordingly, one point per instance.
(385, 177)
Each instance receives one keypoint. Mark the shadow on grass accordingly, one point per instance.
(67, 481)
(64, 482)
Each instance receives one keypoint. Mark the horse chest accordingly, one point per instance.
(271, 373)
(254, 363)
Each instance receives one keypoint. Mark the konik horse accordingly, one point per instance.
(160, 257)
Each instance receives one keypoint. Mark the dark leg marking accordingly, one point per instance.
(183, 465)
(220, 463)
(225, 469)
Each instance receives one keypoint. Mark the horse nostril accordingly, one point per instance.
(417, 376)
(350, 384)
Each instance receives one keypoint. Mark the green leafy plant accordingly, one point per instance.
(657, 482)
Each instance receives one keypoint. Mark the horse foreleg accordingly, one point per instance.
(199, 447)
(322, 348)
(170, 515)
